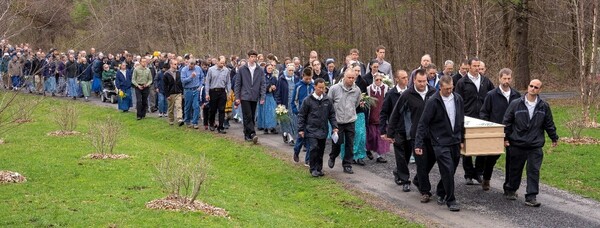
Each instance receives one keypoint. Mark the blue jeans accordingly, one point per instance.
(72, 87)
(301, 141)
(162, 103)
(191, 107)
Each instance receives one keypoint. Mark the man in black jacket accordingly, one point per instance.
(402, 128)
(443, 122)
(493, 109)
(402, 148)
(473, 88)
(526, 119)
(316, 110)
(173, 90)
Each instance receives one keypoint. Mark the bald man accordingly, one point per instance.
(525, 121)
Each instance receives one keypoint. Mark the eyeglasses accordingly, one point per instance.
(377, 80)
(535, 87)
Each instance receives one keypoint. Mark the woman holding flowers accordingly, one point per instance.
(123, 83)
(283, 96)
(375, 143)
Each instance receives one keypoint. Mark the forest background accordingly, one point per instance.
(551, 40)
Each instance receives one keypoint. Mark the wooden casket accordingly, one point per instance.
(483, 138)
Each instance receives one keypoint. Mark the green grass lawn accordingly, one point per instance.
(258, 190)
(570, 167)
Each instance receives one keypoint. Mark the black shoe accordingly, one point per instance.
(314, 173)
(381, 160)
(212, 128)
(348, 170)
(221, 131)
(296, 158)
(360, 162)
(247, 138)
(139, 118)
(260, 129)
(469, 181)
(397, 178)
(331, 163)
(510, 195)
(274, 131)
(369, 155)
(406, 187)
(181, 123)
(453, 207)
(266, 131)
(440, 200)
(321, 173)
(532, 203)
(479, 179)
(74, 98)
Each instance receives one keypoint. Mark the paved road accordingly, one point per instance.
(374, 182)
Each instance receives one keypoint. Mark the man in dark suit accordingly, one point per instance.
(473, 88)
(443, 122)
(250, 89)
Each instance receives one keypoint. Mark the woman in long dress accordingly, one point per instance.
(266, 112)
(284, 96)
(375, 143)
(123, 83)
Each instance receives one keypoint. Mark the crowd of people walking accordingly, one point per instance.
(364, 109)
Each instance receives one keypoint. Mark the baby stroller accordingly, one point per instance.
(109, 90)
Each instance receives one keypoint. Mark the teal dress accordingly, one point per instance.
(360, 138)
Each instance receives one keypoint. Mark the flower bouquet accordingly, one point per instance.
(388, 82)
(281, 114)
(367, 100)
(122, 94)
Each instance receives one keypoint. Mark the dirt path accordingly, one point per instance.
(374, 182)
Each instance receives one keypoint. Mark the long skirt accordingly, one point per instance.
(375, 142)
(96, 85)
(72, 87)
(290, 126)
(85, 88)
(126, 102)
(50, 85)
(61, 86)
(360, 137)
(265, 113)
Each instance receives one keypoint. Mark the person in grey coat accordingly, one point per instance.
(249, 89)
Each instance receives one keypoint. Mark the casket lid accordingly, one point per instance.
(471, 122)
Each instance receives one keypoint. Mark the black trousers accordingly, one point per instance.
(425, 163)
(317, 149)
(218, 98)
(470, 170)
(447, 158)
(249, 116)
(488, 166)
(402, 152)
(205, 112)
(141, 103)
(518, 158)
(346, 133)
(506, 168)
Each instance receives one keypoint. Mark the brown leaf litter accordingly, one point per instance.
(107, 156)
(11, 177)
(580, 141)
(175, 203)
(63, 133)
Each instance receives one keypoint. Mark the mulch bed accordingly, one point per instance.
(20, 121)
(580, 141)
(174, 203)
(11, 177)
(61, 133)
(107, 156)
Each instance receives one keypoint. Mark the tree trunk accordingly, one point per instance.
(522, 70)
